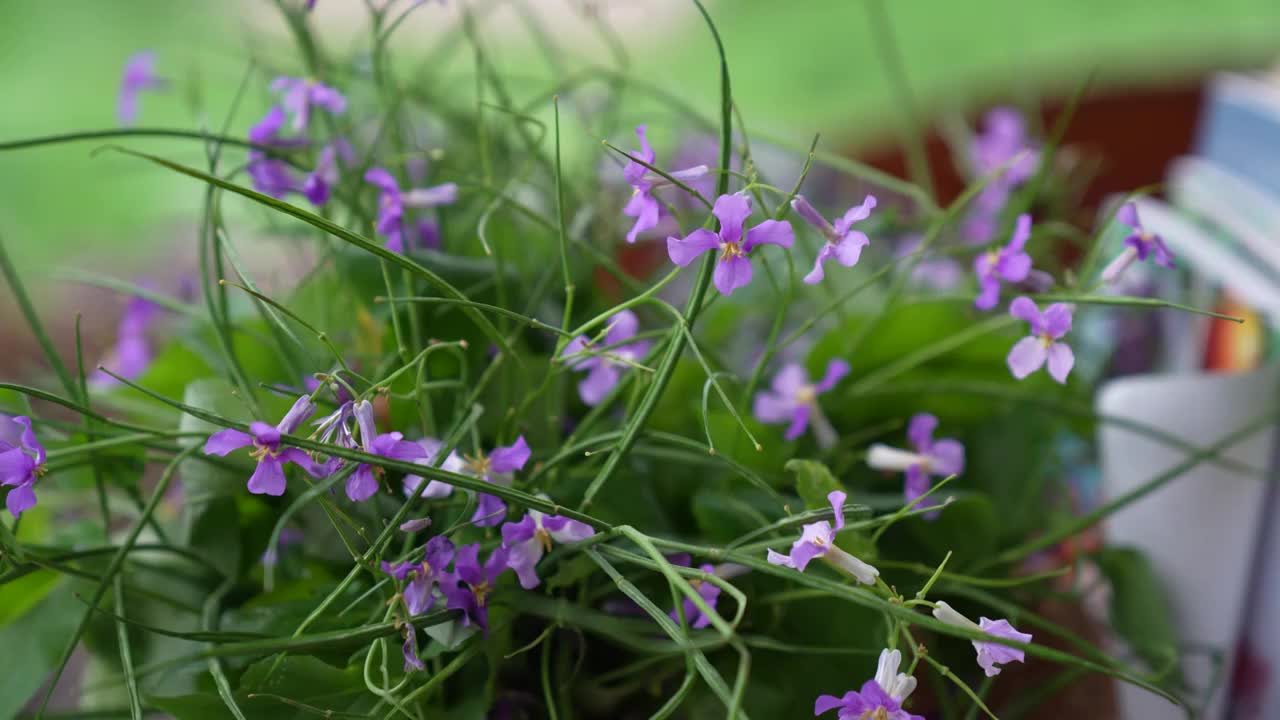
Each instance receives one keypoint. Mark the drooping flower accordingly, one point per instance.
(732, 244)
(300, 95)
(842, 242)
(363, 483)
(430, 456)
(21, 462)
(410, 648)
(271, 176)
(131, 354)
(422, 576)
(818, 540)
(793, 399)
(931, 457)
(604, 371)
(643, 206)
(1031, 353)
(1138, 245)
(467, 588)
(526, 541)
(880, 698)
(1009, 263)
(139, 75)
(268, 478)
(990, 655)
(392, 202)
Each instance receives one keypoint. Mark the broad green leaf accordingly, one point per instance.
(813, 482)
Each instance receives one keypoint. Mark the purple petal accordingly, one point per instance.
(622, 326)
(989, 294)
(10, 432)
(1163, 256)
(417, 595)
(837, 498)
(490, 511)
(645, 209)
(383, 179)
(776, 558)
(328, 98)
(857, 213)
(772, 408)
(827, 703)
(817, 274)
(466, 564)
(1014, 267)
(410, 648)
(731, 273)
(301, 411)
(917, 483)
(1128, 214)
(567, 530)
(1057, 320)
(267, 478)
(523, 558)
(732, 211)
(684, 251)
(1061, 360)
(770, 232)
(518, 532)
(444, 194)
(304, 461)
(992, 654)
(264, 132)
(496, 564)
(224, 441)
(790, 380)
(264, 434)
(849, 250)
(600, 381)
(1021, 233)
(510, 458)
(363, 412)
(362, 484)
(16, 467)
(803, 552)
(811, 216)
(920, 431)
(948, 457)
(1024, 308)
(1027, 356)
(836, 371)
(439, 552)
(799, 422)
(20, 499)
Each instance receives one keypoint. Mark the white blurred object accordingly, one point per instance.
(1200, 529)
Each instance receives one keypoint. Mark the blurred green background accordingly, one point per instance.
(798, 67)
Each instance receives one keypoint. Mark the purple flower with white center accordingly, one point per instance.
(1032, 352)
(526, 541)
(271, 176)
(643, 206)
(392, 202)
(1009, 263)
(1139, 245)
(731, 243)
(990, 655)
(467, 588)
(880, 698)
(793, 399)
(363, 483)
(300, 95)
(430, 456)
(422, 577)
(942, 457)
(818, 540)
(842, 242)
(604, 371)
(268, 478)
(139, 75)
(21, 462)
(497, 469)
(131, 355)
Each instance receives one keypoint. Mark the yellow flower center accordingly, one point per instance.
(261, 451)
(544, 539)
(481, 592)
(878, 714)
(731, 250)
(477, 464)
(806, 394)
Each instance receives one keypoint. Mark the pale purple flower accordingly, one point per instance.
(942, 457)
(300, 95)
(392, 202)
(271, 176)
(1137, 246)
(990, 655)
(731, 243)
(937, 273)
(430, 456)
(319, 184)
(363, 483)
(415, 525)
(643, 206)
(880, 698)
(842, 242)
(1031, 353)
(707, 590)
(468, 587)
(818, 540)
(792, 399)
(139, 75)
(131, 355)
(604, 371)
(422, 577)
(268, 478)
(1009, 263)
(527, 540)
(1003, 144)
(22, 460)
(496, 468)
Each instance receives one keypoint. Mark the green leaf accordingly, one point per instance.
(723, 515)
(210, 519)
(968, 527)
(33, 643)
(813, 482)
(1140, 611)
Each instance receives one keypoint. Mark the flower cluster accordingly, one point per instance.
(22, 460)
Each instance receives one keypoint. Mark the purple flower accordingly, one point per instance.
(1030, 353)
(818, 540)
(422, 576)
(271, 176)
(526, 541)
(430, 456)
(707, 590)
(1003, 144)
(497, 469)
(931, 457)
(363, 483)
(880, 698)
(468, 587)
(604, 371)
(268, 478)
(643, 206)
(21, 462)
(139, 75)
(392, 202)
(843, 243)
(1138, 245)
(1009, 263)
(320, 182)
(733, 268)
(300, 95)
(990, 655)
(131, 355)
(793, 399)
